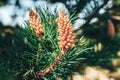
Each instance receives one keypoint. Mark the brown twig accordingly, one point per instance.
(42, 73)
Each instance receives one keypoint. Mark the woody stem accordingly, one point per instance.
(42, 73)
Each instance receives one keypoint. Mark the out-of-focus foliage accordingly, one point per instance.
(22, 54)
(3, 2)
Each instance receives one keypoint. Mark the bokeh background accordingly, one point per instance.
(98, 20)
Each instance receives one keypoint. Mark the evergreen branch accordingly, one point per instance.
(95, 13)
(79, 6)
(66, 41)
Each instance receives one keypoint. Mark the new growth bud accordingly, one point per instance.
(66, 35)
(35, 22)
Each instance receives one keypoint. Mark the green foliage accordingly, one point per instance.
(22, 54)
(30, 54)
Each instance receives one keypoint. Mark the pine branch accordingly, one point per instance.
(95, 13)
(79, 6)
(66, 41)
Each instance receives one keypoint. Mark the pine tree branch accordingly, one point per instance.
(95, 13)
(79, 6)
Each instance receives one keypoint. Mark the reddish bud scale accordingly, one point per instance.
(35, 23)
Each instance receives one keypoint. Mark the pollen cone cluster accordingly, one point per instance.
(111, 29)
(66, 41)
(66, 35)
(36, 23)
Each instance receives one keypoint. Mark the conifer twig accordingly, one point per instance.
(95, 13)
(66, 41)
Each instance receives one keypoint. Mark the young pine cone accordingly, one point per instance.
(66, 35)
(36, 23)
